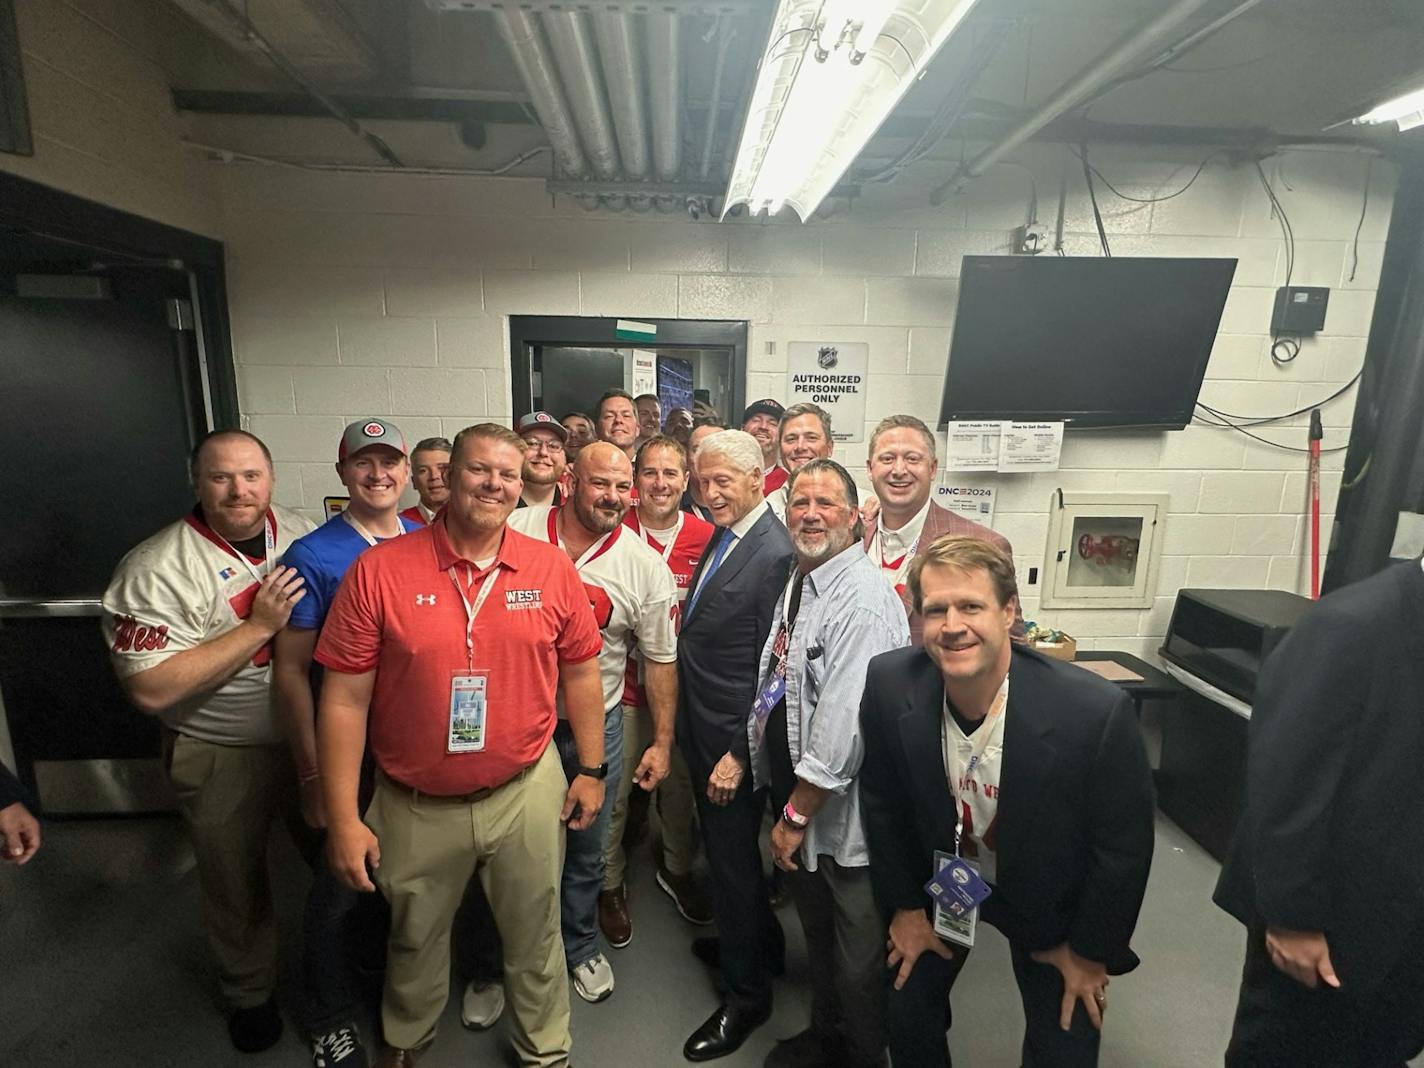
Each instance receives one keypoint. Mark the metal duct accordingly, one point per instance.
(714, 102)
(623, 73)
(571, 40)
(536, 70)
(665, 89)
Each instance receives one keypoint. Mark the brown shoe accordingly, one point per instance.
(687, 896)
(397, 1058)
(613, 918)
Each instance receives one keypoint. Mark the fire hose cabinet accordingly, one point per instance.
(1103, 549)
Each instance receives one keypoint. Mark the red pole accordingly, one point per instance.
(1316, 433)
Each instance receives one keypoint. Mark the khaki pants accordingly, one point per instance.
(229, 796)
(672, 801)
(430, 849)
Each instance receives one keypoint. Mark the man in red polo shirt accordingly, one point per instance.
(453, 642)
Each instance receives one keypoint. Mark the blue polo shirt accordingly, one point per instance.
(321, 558)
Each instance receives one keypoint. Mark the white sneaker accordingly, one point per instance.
(593, 979)
(482, 1006)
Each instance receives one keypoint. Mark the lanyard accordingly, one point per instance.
(472, 610)
(951, 755)
(593, 552)
(269, 526)
(366, 535)
(786, 622)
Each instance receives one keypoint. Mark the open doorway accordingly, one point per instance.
(565, 363)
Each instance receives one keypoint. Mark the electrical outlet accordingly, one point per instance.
(1028, 240)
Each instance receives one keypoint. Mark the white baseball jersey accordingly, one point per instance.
(630, 589)
(185, 586)
(977, 790)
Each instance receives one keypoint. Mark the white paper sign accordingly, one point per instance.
(832, 375)
(645, 372)
(972, 446)
(972, 502)
(1031, 447)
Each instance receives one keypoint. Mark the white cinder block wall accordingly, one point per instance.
(97, 79)
(356, 294)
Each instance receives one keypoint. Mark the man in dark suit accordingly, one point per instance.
(1030, 770)
(902, 466)
(19, 830)
(1325, 868)
(726, 618)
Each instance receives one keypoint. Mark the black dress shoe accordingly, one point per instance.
(255, 1029)
(725, 1031)
(708, 950)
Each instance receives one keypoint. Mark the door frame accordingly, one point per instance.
(28, 207)
(589, 332)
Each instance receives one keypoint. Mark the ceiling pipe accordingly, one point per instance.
(665, 92)
(1107, 66)
(623, 73)
(714, 103)
(571, 40)
(620, 57)
(536, 70)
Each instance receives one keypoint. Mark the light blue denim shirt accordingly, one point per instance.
(848, 614)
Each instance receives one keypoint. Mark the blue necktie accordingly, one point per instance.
(724, 543)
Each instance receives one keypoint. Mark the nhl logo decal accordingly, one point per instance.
(827, 357)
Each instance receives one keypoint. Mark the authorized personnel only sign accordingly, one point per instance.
(832, 375)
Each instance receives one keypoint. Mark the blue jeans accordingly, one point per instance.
(583, 853)
(343, 948)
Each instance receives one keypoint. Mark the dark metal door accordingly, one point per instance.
(98, 410)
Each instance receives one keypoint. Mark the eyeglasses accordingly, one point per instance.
(544, 445)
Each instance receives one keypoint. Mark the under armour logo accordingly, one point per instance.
(425, 598)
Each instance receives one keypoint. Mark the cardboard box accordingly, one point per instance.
(1067, 649)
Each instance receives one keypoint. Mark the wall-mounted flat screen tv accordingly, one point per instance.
(1110, 342)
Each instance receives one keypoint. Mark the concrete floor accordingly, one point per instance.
(103, 964)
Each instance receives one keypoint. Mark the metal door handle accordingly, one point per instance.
(39, 608)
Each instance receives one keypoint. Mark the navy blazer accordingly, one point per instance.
(719, 647)
(1074, 826)
(1332, 832)
(10, 789)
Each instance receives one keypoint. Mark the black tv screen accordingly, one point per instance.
(1120, 342)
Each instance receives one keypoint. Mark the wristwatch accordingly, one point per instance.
(599, 772)
(796, 819)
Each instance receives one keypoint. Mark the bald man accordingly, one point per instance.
(634, 599)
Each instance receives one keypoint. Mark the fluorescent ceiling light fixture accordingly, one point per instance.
(1406, 111)
(831, 73)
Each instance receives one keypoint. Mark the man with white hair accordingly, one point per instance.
(727, 616)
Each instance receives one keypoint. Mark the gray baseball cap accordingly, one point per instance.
(367, 432)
